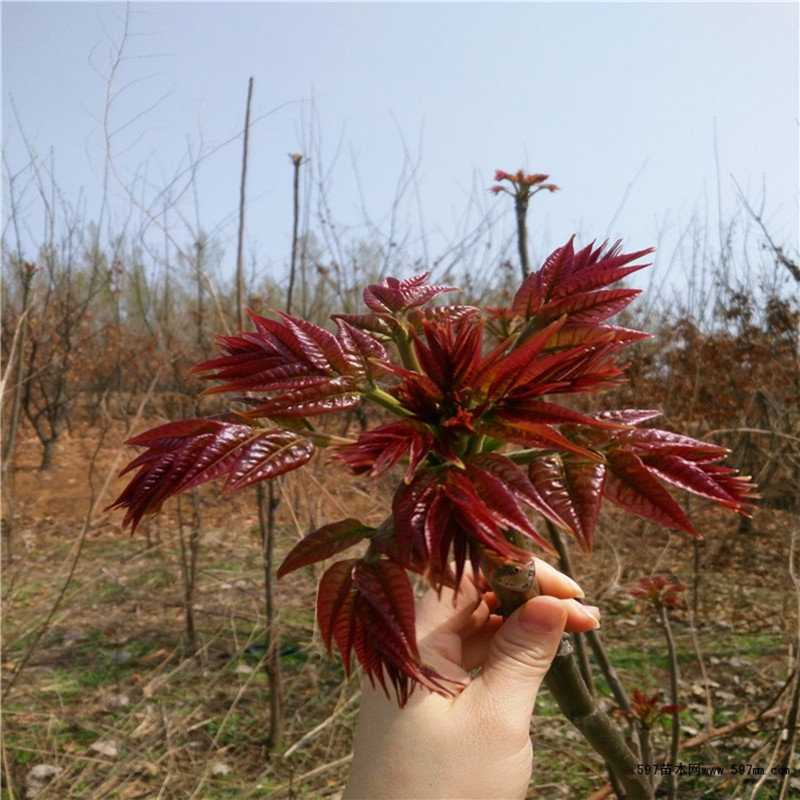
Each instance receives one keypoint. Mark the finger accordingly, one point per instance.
(518, 659)
(581, 618)
(442, 619)
(476, 647)
(555, 583)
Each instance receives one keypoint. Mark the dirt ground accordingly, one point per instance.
(112, 689)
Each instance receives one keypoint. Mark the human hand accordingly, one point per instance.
(475, 744)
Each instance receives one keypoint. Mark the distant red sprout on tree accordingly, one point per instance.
(648, 709)
(522, 187)
(660, 590)
(482, 428)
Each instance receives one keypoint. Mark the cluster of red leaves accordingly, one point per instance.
(648, 708)
(522, 184)
(484, 440)
(661, 591)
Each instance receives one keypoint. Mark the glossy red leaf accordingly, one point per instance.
(336, 597)
(185, 454)
(573, 488)
(450, 352)
(428, 519)
(385, 586)
(653, 440)
(530, 434)
(372, 323)
(574, 334)
(592, 307)
(628, 416)
(323, 543)
(501, 371)
(363, 352)
(703, 480)
(393, 296)
(566, 273)
(317, 345)
(290, 354)
(630, 485)
(367, 607)
(332, 394)
(519, 483)
(452, 313)
(502, 486)
(379, 449)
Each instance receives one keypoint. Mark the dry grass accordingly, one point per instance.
(110, 701)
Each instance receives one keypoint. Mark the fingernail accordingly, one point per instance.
(543, 615)
(575, 586)
(592, 613)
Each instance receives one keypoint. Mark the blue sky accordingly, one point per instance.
(644, 114)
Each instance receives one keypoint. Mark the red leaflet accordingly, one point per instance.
(362, 351)
(292, 354)
(531, 434)
(380, 449)
(317, 397)
(647, 709)
(324, 543)
(520, 485)
(394, 297)
(450, 352)
(573, 488)
(502, 371)
(368, 607)
(184, 454)
(632, 486)
(563, 284)
(459, 514)
(661, 590)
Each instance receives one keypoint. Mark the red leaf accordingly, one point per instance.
(645, 440)
(628, 416)
(630, 485)
(368, 607)
(324, 543)
(542, 412)
(500, 497)
(265, 456)
(288, 354)
(573, 488)
(379, 449)
(702, 480)
(362, 351)
(383, 326)
(317, 345)
(185, 454)
(452, 313)
(393, 296)
(518, 482)
(566, 273)
(530, 434)
(594, 307)
(333, 394)
(574, 334)
(451, 350)
(335, 608)
(499, 371)
(386, 587)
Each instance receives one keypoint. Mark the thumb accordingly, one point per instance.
(519, 657)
